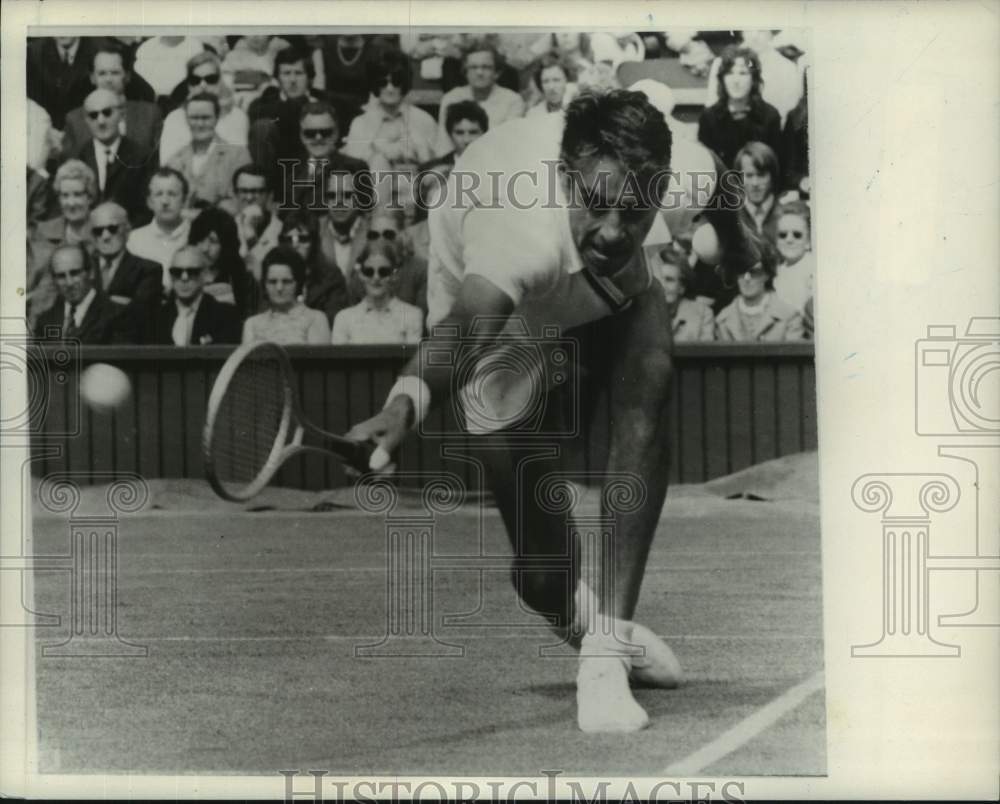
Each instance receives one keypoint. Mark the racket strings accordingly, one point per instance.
(249, 421)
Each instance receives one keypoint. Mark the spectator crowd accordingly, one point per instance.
(193, 190)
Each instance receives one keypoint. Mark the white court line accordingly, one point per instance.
(744, 731)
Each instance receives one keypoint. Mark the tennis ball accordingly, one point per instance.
(705, 244)
(104, 387)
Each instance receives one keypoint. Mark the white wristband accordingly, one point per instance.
(416, 389)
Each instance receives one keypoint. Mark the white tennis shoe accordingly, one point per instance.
(657, 666)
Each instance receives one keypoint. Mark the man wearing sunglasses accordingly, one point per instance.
(204, 74)
(189, 316)
(142, 121)
(121, 275)
(274, 116)
(122, 167)
(82, 312)
(303, 177)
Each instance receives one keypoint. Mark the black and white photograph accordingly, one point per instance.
(403, 405)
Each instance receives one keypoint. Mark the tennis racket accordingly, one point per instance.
(254, 424)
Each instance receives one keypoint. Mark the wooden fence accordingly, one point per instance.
(733, 405)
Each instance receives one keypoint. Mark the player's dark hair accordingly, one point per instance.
(620, 125)
(752, 61)
(290, 55)
(465, 110)
(285, 255)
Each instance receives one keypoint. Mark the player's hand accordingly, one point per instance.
(386, 429)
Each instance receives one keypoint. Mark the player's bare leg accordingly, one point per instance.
(632, 360)
(636, 354)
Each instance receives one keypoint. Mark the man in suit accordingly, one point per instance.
(302, 178)
(57, 74)
(190, 317)
(207, 162)
(274, 116)
(81, 311)
(122, 276)
(111, 69)
(343, 234)
(121, 166)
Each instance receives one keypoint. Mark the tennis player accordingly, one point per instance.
(556, 242)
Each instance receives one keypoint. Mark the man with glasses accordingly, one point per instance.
(189, 316)
(481, 67)
(81, 312)
(120, 164)
(204, 74)
(256, 223)
(111, 69)
(302, 178)
(274, 116)
(122, 276)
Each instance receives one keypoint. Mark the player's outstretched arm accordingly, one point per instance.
(424, 382)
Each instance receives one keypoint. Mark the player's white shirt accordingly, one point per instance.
(513, 230)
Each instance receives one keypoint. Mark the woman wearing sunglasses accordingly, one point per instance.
(204, 74)
(287, 319)
(757, 314)
(391, 132)
(793, 282)
(380, 317)
(214, 234)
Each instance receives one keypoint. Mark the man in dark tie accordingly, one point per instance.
(302, 178)
(190, 317)
(111, 69)
(122, 167)
(122, 276)
(81, 312)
